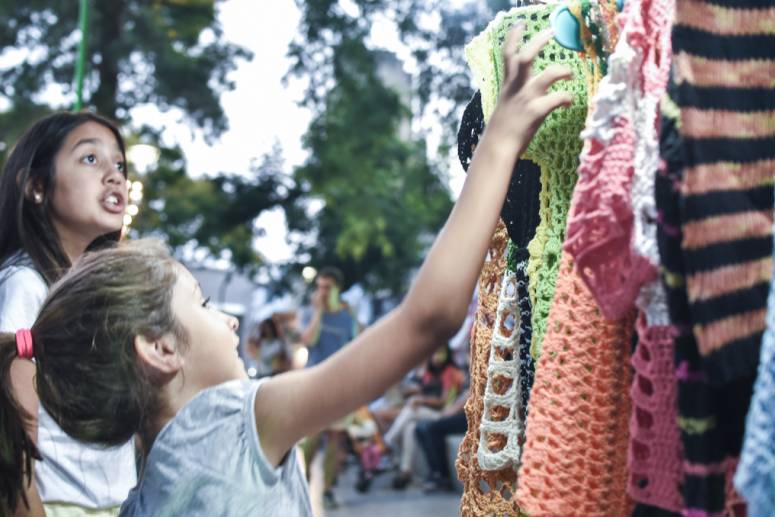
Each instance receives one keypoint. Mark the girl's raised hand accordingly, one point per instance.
(524, 102)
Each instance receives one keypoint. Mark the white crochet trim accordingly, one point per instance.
(644, 205)
(652, 300)
(512, 427)
(615, 95)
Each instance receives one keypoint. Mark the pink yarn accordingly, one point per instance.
(599, 231)
(611, 230)
(655, 455)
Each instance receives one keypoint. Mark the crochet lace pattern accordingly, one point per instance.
(754, 478)
(519, 257)
(486, 492)
(574, 461)
(502, 427)
(611, 234)
(471, 129)
(555, 147)
(656, 453)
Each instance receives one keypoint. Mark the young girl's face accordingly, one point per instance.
(210, 357)
(90, 191)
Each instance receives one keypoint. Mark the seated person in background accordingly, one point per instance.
(386, 408)
(441, 385)
(271, 352)
(431, 435)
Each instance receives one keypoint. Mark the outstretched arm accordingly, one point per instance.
(293, 405)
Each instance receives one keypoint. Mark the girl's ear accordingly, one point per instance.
(160, 354)
(34, 193)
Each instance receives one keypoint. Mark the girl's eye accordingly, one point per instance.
(206, 302)
(120, 166)
(90, 159)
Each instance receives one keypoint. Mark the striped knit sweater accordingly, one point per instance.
(724, 63)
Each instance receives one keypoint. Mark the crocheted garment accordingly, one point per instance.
(502, 426)
(725, 66)
(599, 36)
(555, 148)
(574, 461)
(754, 478)
(656, 453)
(711, 421)
(519, 257)
(486, 492)
(622, 137)
(470, 131)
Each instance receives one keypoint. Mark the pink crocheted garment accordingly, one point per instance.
(612, 231)
(656, 452)
(574, 461)
(600, 227)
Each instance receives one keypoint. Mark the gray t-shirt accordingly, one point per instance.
(208, 462)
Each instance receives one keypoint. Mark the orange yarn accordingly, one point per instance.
(574, 462)
(498, 498)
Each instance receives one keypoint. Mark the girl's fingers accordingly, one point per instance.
(551, 75)
(519, 63)
(548, 103)
(512, 42)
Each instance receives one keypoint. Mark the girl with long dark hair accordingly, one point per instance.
(63, 192)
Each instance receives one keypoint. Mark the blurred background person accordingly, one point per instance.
(431, 436)
(271, 352)
(441, 385)
(330, 327)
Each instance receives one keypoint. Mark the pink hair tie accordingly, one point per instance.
(24, 343)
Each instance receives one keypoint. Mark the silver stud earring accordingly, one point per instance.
(37, 197)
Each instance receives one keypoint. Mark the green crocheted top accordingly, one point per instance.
(555, 147)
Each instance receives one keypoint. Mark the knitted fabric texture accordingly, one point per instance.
(480, 57)
(502, 426)
(656, 453)
(470, 131)
(600, 225)
(555, 147)
(521, 210)
(711, 421)
(574, 461)
(754, 478)
(526, 361)
(486, 492)
(599, 36)
(600, 231)
(726, 74)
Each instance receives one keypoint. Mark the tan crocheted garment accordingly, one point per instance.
(498, 496)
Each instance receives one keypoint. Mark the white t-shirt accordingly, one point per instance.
(207, 461)
(87, 476)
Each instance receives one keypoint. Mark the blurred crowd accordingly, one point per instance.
(404, 432)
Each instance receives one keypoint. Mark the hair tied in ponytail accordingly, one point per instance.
(24, 343)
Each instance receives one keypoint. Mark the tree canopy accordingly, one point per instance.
(170, 53)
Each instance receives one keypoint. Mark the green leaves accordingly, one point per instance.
(138, 51)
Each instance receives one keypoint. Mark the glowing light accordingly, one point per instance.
(309, 274)
(137, 186)
(124, 230)
(143, 156)
(129, 184)
(132, 210)
(252, 372)
(302, 355)
(136, 195)
(127, 219)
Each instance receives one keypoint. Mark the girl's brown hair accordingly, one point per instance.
(88, 375)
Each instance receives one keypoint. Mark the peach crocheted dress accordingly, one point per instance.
(574, 461)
